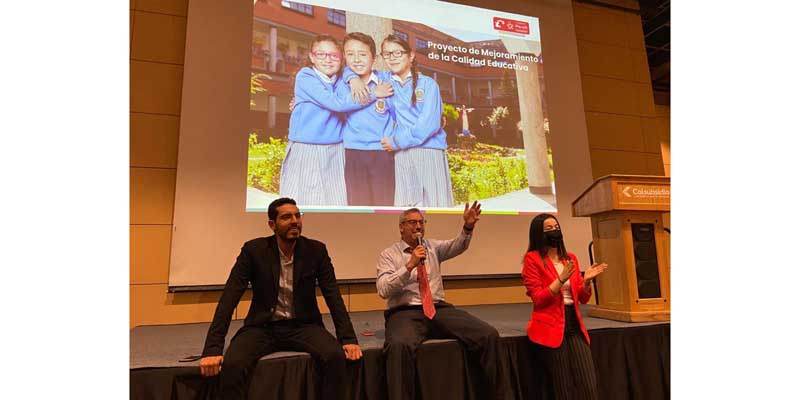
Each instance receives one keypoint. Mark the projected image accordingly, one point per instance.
(359, 106)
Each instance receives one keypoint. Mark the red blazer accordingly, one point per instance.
(546, 326)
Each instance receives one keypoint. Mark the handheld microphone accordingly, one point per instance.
(419, 242)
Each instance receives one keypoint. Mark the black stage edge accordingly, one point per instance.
(632, 362)
(207, 288)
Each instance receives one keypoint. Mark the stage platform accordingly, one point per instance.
(632, 361)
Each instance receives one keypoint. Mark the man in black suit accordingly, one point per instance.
(283, 314)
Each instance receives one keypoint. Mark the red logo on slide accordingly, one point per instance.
(510, 25)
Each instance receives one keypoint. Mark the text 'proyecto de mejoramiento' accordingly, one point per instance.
(475, 57)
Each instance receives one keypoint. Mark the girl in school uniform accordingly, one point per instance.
(312, 172)
(422, 174)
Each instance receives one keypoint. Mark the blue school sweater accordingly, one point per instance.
(419, 126)
(364, 128)
(316, 117)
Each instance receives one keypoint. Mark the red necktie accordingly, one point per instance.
(425, 292)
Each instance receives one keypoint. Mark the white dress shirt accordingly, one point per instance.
(566, 288)
(283, 310)
(399, 286)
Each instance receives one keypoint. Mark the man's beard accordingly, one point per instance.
(285, 234)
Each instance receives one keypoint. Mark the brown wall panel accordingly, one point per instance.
(654, 164)
(614, 131)
(662, 111)
(154, 140)
(632, 4)
(149, 253)
(639, 65)
(158, 37)
(498, 291)
(323, 308)
(634, 32)
(156, 87)
(651, 133)
(152, 195)
(242, 309)
(244, 305)
(173, 7)
(662, 119)
(152, 305)
(644, 99)
(600, 25)
(605, 61)
(607, 39)
(610, 95)
(364, 297)
(130, 32)
(617, 96)
(605, 162)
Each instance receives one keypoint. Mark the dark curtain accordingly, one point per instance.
(631, 363)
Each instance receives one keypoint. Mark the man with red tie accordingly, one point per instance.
(410, 280)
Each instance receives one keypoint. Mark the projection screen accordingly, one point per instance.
(253, 94)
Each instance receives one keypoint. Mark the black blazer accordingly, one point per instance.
(259, 263)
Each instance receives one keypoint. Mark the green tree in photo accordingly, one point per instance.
(264, 161)
(498, 115)
(486, 171)
(449, 111)
(256, 85)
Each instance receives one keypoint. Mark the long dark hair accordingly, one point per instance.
(414, 72)
(308, 63)
(537, 241)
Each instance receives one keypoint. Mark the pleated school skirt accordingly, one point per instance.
(313, 174)
(422, 178)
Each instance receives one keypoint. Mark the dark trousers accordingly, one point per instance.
(570, 365)
(369, 176)
(407, 327)
(252, 343)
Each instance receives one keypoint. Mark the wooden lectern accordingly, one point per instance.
(628, 234)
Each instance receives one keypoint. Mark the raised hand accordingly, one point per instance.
(593, 271)
(472, 214)
(569, 267)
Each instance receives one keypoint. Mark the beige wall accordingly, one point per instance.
(627, 134)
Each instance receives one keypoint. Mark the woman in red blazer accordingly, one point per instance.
(554, 283)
